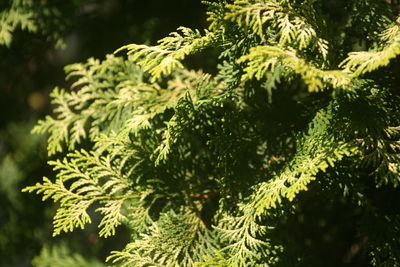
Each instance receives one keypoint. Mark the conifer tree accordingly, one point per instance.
(300, 120)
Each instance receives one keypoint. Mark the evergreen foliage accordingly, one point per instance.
(19, 15)
(203, 169)
(61, 256)
(32, 16)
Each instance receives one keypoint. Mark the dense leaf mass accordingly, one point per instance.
(301, 117)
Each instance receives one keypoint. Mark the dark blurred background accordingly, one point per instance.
(30, 67)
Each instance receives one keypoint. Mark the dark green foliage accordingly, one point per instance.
(299, 127)
(60, 255)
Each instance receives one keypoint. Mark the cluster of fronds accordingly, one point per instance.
(63, 257)
(201, 169)
(39, 17)
(167, 55)
(19, 15)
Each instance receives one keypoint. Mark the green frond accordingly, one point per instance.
(217, 260)
(245, 241)
(175, 126)
(382, 155)
(367, 61)
(266, 59)
(390, 33)
(72, 211)
(162, 59)
(175, 240)
(148, 102)
(138, 217)
(78, 185)
(268, 16)
(253, 15)
(315, 152)
(68, 127)
(380, 151)
(71, 215)
(215, 13)
(16, 17)
(112, 217)
(76, 111)
(56, 191)
(29, 16)
(110, 95)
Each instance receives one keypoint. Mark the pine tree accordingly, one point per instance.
(300, 120)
